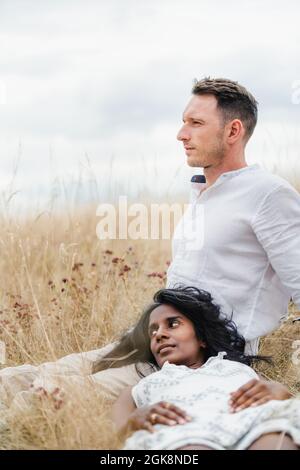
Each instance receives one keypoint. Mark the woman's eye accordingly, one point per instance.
(170, 325)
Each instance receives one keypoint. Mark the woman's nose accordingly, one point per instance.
(161, 333)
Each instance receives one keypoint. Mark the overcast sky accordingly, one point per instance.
(93, 88)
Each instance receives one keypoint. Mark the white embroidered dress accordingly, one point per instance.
(204, 394)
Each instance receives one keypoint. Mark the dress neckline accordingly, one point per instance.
(220, 356)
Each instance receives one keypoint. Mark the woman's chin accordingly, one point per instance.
(169, 359)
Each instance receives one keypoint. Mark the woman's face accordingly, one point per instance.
(173, 338)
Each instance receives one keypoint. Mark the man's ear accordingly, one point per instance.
(235, 129)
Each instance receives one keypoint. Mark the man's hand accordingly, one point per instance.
(159, 413)
(256, 392)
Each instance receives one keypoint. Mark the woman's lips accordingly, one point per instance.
(166, 349)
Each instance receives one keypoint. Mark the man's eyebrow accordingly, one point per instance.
(173, 317)
(193, 118)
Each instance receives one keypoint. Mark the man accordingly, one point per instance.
(250, 255)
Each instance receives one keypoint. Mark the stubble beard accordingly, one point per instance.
(208, 158)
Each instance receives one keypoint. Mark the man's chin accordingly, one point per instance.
(193, 163)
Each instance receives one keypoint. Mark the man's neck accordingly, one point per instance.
(212, 173)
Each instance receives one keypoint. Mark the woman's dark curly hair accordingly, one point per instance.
(211, 326)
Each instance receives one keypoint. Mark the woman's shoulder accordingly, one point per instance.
(223, 365)
(215, 365)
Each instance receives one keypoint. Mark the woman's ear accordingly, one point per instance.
(202, 344)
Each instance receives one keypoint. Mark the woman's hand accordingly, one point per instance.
(256, 392)
(159, 413)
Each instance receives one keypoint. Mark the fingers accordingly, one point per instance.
(160, 418)
(168, 414)
(245, 388)
(262, 401)
(276, 390)
(247, 394)
(175, 413)
(148, 426)
(254, 401)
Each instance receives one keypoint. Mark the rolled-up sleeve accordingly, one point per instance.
(277, 227)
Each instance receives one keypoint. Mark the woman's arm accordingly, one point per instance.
(122, 410)
(256, 392)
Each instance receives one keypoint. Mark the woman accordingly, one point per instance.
(204, 394)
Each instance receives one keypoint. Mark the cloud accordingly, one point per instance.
(112, 78)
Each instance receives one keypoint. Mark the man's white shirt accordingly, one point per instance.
(239, 239)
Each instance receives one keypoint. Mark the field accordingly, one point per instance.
(63, 291)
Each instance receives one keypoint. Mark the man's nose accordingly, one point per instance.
(183, 134)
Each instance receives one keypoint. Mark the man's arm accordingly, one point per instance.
(20, 378)
(277, 227)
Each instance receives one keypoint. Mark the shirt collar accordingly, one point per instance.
(200, 179)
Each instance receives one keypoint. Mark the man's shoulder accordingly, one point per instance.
(268, 182)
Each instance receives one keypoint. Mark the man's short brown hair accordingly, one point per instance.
(234, 101)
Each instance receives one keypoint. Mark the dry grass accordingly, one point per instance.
(64, 291)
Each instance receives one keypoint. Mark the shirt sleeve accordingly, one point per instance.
(20, 378)
(277, 227)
